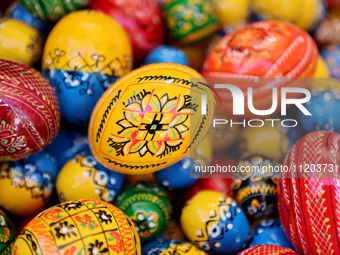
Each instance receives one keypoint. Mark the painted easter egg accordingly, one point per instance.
(19, 12)
(171, 246)
(230, 11)
(166, 54)
(142, 20)
(270, 232)
(67, 144)
(331, 55)
(305, 14)
(324, 107)
(178, 175)
(53, 10)
(215, 223)
(29, 111)
(255, 186)
(19, 42)
(145, 121)
(268, 249)
(85, 226)
(7, 234)
(82, 176)
(265, 49)
(148, 207)
(27, 185)
(308, 195)
(81, 60)
(190, 21)
(268, 140)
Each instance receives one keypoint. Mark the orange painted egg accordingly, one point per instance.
(149, 119)
(79, 227)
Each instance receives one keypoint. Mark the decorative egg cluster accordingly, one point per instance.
(169, 127)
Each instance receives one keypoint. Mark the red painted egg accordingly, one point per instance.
(29, 111)
(309, 194)
(265, 49)
(268, 250)
(142, 19)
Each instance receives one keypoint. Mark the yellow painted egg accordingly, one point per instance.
(305, 14)
(27, 185)
(150, 118)
(79, 227)
(215, 223)
(268, 141)
(85, 53)
(229, 11)
(321, 70)
(20, 42)
(83, 177)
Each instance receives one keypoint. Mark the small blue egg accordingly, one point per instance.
(270, 232)
(166, 54)
(177, 176)
(325, 109)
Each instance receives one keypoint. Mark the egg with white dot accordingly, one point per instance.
(82, 176)
(178, 175)
(270, 232)
(148, 207)
(27, 185)
(166, 54)
(324, 107)
(210, 216)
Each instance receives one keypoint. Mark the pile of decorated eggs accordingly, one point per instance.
(161, 127)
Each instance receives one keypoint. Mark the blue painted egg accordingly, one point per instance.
(215, 223)
(270, 232)
(177, 176)
(27, 185)
(325, 109)
(331, 55)
(66, 145)
(19, 12)
(166, 54)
